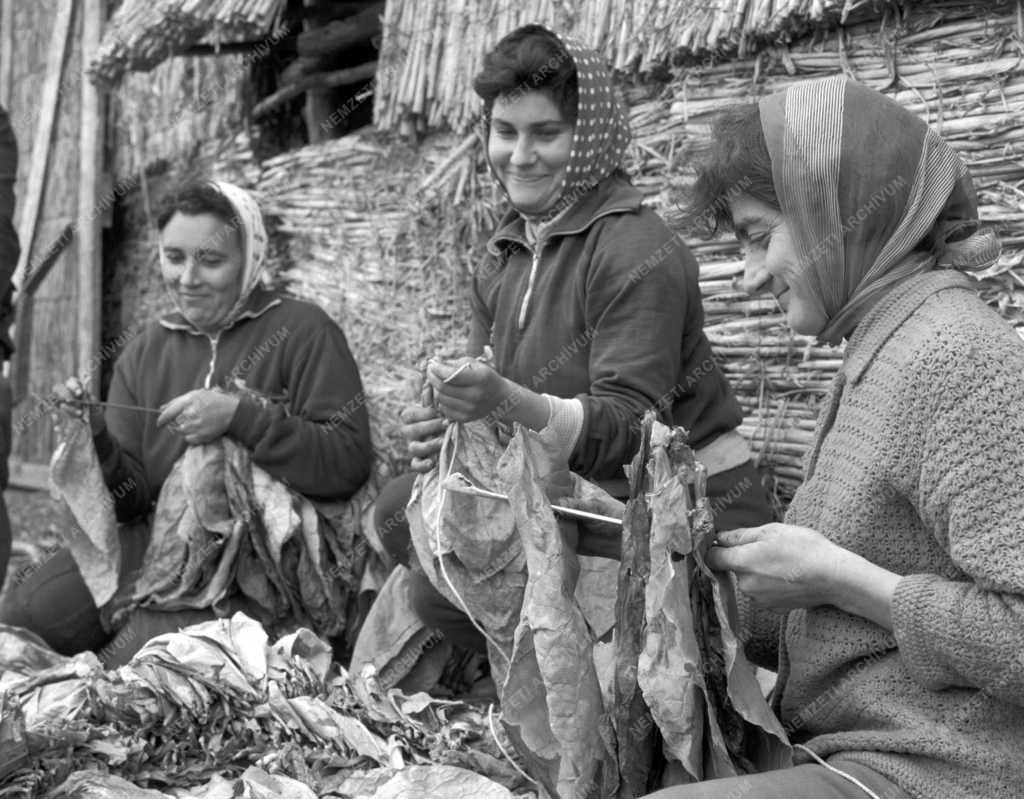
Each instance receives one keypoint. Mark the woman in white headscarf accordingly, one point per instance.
(234, 359)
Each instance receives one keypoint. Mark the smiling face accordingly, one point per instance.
(202, 265)
(772, 263)
(529, 144)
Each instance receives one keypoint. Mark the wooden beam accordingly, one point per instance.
(319, 80)
(90, 237)
(23, 313)
(49, 98)
(285, 46)
(329, 39)
(6, 50)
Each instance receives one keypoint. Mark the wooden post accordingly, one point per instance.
(90, 256)
(6, 48)
(49, 97)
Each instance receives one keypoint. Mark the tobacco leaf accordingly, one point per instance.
(635, 736)
(562, 641)
(450, 782)
(97, 785)
(702, 692)
(77, 479)
(476, 537)
(393, 640)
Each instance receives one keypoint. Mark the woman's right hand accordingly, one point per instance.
(71, 396)
(423, 429)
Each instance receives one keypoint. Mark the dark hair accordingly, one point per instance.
(198, 197)
(735, 161)
(528, 59)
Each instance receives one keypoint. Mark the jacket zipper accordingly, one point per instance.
(213, 360)
(534, 264)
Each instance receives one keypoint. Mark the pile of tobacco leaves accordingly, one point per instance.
(217, 711)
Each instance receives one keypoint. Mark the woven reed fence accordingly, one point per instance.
(385, 237)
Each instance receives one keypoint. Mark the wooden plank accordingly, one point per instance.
(90, 151)
(41, 146)
(24, 474)
(320, 80)
(6, 50)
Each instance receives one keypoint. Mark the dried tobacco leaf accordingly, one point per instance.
(476, 537)
(76, 477)
(715, 721)
(562, 641)
(636, 737)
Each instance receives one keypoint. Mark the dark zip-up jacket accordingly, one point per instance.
(316, 437)
(614, 317)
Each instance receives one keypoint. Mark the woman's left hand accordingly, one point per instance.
(474, 389)
(781, 566)
(199, 416)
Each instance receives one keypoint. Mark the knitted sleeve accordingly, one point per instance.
(758, 632)
(954, 631)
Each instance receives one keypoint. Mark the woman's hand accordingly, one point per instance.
(71, 397)
(785, 567)
(423, 429)
(199, 416)
(472, 391)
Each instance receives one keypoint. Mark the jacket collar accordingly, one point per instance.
(259, 302)
(612, 195)
(890, 312)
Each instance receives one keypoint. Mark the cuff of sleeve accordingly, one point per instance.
(920, 620)
(249, 423)
(565, 422)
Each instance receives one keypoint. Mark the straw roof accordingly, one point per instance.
(142, 33)
(432, 48)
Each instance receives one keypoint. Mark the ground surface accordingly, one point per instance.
(36, 521)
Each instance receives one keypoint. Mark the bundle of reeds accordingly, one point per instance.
(431, 50)
(142, 33)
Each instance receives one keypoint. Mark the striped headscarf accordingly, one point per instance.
(601, 134)
(863, 182)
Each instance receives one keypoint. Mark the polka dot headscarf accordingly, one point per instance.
(602, 133)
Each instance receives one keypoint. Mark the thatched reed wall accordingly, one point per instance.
(164, 126)
(431, 50)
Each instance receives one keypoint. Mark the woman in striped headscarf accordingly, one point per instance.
(900, 566)
(589, 303)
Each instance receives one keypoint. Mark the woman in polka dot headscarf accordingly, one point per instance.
(589, 303)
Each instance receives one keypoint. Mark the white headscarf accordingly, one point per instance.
(248, 220)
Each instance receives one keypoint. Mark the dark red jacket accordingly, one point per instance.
(317, 439)
(615, 319)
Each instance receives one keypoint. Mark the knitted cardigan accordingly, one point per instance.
(918, 466)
